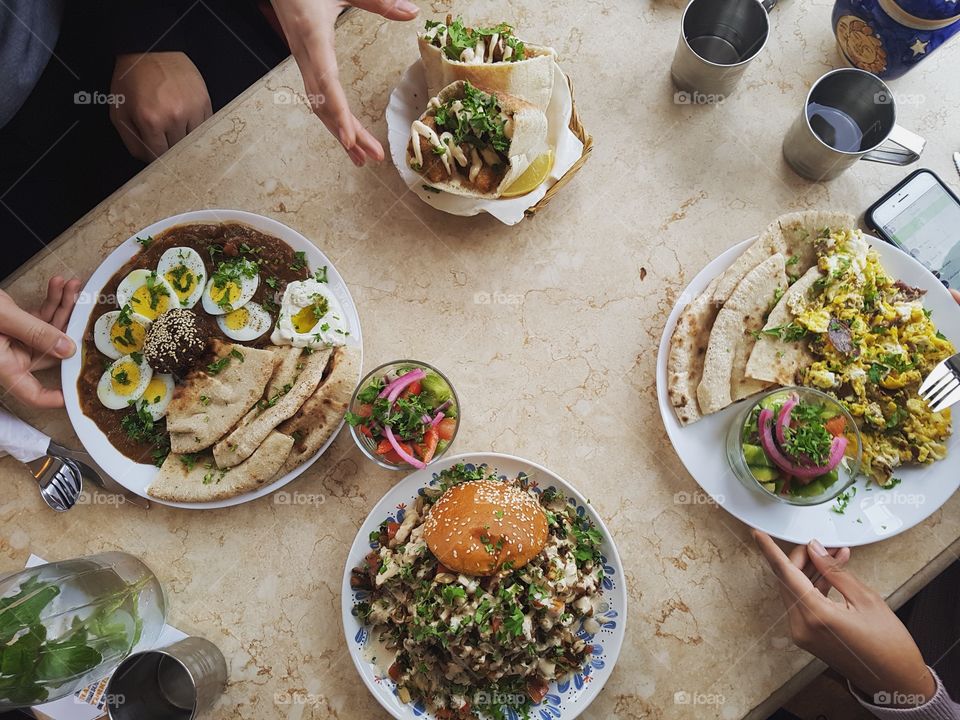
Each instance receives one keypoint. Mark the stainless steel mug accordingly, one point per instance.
(718, 39)
(849, 113)
(176, 682)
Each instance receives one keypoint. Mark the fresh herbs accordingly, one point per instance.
(807, 436)
(228, 276)
(321, 275)
(299, 261)
(790, 332)
(478, 122)
(843, 500)
(217, 366)
(140, 427)
(145, 242)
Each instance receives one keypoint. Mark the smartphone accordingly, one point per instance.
(922, 217)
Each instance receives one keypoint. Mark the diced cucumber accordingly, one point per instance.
(829, 478)
(434, 386)
(770, 486)
(771, 403)
(755, 456)
(815, 487)
(765, 474)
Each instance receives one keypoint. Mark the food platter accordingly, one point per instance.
(564, 700)
(871, 513)
(137, 476)
(406, 103)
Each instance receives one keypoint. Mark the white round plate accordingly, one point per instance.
(564, 701)
(134, 476)
(407, 102)
(873, 513)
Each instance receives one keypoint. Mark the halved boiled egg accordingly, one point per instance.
(245, 323)
(231, 286)
(124, 382)
(120, 332)
(310, 315)
(147, 293)
(183, 268)
(157, 395)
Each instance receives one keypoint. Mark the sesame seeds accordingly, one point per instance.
(174, 341)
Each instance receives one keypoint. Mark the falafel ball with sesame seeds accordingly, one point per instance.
(175, 341)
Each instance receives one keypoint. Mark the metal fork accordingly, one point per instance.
(941, 389)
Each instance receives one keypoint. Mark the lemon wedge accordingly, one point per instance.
(532, 177)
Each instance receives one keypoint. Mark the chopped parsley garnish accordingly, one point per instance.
(479, 123)
(145, 242)
(843, 500)
(791, 332)
(299, 261)
(140, 427)
(217, 366)
(321, 275)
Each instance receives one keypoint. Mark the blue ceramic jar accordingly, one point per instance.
(888, 37)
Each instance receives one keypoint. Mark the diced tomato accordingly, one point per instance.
(446, 427)
(495, 624)
(413, 388)
(395, 672)
(385, 449)
(537, 688)
(836, 425)
(373, 561)
(392, 528)
(428, 447)
(365, 410)
(364, 430)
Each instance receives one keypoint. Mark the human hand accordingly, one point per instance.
(35, 341)
(862, 638)
(164, 98)
(309, 28)
(956, 295)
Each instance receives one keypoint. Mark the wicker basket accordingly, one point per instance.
(577, 128)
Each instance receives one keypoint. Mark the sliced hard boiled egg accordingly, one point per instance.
(310, 314)
(232, 286)
(157, 395)
(245, 323)
(183, 268)
(120, 332)
(147, 293)
(124, 382)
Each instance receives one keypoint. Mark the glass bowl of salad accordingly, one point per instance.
(796, 445)
(404, 414)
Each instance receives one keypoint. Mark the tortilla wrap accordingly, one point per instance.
(320, 416)
(688, 346)
(177, 482)
(259, 422)
(792, 236)
(530, 79)
(724, 367)
(772, 359)
(196, 424)
(529, 141)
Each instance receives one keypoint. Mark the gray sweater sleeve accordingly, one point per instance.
(939, 707)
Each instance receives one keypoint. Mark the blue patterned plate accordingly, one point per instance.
(565, 700)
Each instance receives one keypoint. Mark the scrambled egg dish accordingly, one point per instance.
(873, 343)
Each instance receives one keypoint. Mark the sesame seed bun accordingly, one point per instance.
(477, 527)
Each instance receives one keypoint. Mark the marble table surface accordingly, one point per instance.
(549, 330)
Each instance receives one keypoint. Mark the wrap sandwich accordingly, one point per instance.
(490, 57)
(474, 143)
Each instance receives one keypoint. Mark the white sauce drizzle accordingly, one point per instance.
(418, 128)
(475, 164)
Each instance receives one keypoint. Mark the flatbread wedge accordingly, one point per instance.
(480, 158)
(263, 418)
(688, 346)
(193, 481)
(731, 340)
(320, 415)
(774, 360)
(207, 405)
(792, 236)
(530, 78)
